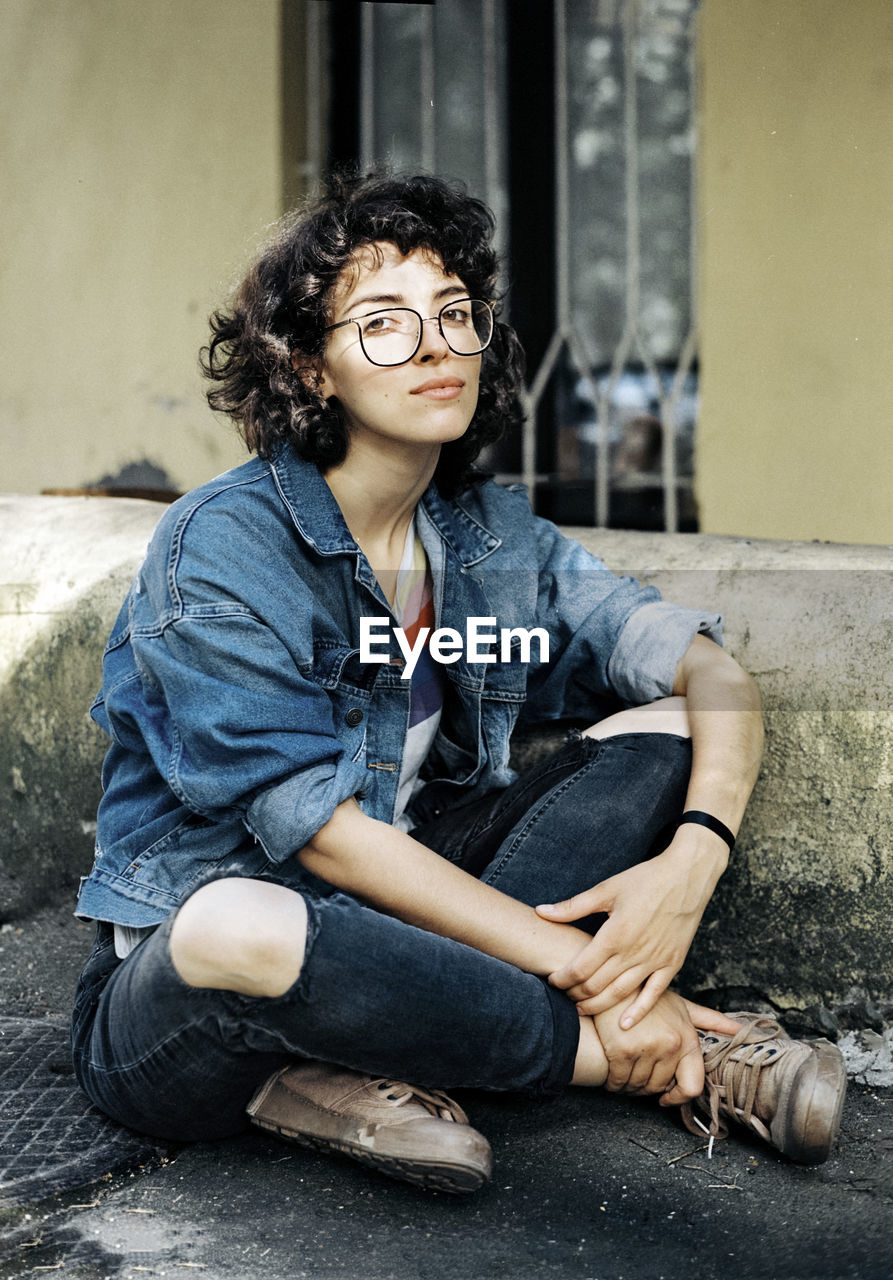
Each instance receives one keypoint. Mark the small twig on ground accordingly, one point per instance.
(55, 1267)
(138, 1211)
(686, 1154)
(724, 1186)
(644, 1148)
(92, 1205)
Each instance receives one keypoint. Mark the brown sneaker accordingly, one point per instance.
(790, 1092)
(417, 1134)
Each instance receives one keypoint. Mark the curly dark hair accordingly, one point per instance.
(284, 304)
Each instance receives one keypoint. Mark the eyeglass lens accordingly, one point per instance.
(393, 336)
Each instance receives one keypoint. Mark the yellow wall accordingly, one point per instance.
(140, 157)
(796, 196)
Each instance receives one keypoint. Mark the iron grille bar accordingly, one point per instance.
(426, 85)
(313, 20)
(491, 109)
(367, 85)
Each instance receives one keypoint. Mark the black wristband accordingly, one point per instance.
(713, 824)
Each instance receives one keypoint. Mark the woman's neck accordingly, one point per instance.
(377, 493)
(377, 488)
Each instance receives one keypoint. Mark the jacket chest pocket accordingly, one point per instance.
(348, 683)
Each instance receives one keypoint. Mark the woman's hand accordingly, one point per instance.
(654, 909)
(662, 1054)
(653, 912)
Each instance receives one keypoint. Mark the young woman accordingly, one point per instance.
(316, 874)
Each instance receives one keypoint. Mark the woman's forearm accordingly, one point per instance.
(724, 715)
(725, 720)
(397, 875)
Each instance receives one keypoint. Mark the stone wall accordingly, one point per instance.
(802, 918)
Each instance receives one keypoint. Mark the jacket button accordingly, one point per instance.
(354, 716)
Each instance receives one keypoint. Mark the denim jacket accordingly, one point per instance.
(240, 713)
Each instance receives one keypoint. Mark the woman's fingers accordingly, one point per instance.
(647, 998)
(611, 996)
(594, 966)
(587, 903)
(620, 1068)
(689, 1078)
(590, 983)
(662, 1076)
(711, 1019)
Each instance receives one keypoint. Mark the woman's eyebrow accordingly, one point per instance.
(399, 300)
(392, 299)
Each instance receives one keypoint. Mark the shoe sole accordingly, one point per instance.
(811, 1120)
(430, 1174)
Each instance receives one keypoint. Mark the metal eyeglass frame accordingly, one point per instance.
(423, 320)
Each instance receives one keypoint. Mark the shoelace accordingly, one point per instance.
(437, 1103)
(732, 1066)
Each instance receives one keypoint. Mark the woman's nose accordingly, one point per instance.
(433, 345)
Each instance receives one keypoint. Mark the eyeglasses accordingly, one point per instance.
(394, 336)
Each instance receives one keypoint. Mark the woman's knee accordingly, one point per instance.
(240, 935)
(667, 715)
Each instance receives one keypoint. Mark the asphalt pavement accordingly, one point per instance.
(589, 1187)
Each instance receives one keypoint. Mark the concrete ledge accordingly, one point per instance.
(65, 566)
(804, 915)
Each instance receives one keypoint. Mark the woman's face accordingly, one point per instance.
(428, 401)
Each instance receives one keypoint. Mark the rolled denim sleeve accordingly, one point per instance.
(237, 729)
(613, 638)
(287, 815)
(648, 649)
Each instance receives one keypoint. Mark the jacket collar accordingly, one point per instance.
(469, 538)
(311, 503)
(319, 521)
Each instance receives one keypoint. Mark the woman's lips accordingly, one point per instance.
(439, 388)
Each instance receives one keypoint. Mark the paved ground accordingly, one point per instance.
(586, 1188)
